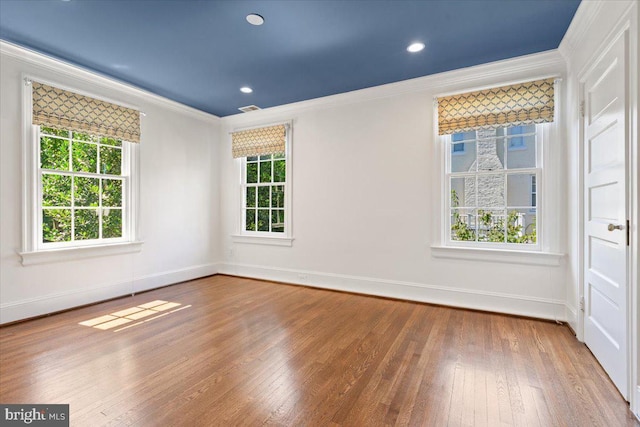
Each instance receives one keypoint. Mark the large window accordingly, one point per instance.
(83, 180)
(491, 189)
(80, 175)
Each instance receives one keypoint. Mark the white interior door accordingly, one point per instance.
(605, 264)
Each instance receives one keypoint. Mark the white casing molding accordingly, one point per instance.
(542, 308)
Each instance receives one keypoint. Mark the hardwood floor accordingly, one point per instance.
(246, 352)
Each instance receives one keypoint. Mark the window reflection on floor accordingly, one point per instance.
(157, 308)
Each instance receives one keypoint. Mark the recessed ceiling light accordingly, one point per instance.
(415, 47)
(246, 89)
(255, 19)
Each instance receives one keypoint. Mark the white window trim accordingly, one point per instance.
(547, 242)
(33, 251)
(267, 237)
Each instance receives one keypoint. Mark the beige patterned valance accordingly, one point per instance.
(519, 104)
(258, 141)
(63, 109)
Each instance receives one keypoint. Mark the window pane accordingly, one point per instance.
(86, 224)
(54, 153)
(53, 131)
(277, 220)
(86, 191)
(488, 159)
(111, 141)
(83, 137)
(463, 192)
(263, 219)
(252, 159)
(265, 172)
(465, 159)
(491, 191)
(519, 189)
(111, 192)
(521, 226)
(56, 225)
(263, 197)
(85, 157)
(522, 152)
(252, 173)
(250, 220)
(110, 160)
(278, 156)
(279, 171)
(265, 157)
(56, 190)
(111, 223)
(491, 225)
(251, 197)
(463, 224)
(277, 196)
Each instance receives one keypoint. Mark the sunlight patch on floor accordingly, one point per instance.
(157, 308)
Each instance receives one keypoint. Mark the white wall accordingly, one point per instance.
(179, 187)
(366, 200)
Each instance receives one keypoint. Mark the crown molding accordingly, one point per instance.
(55, 65)
(513, 70)
(585, 16)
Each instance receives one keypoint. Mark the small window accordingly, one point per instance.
(459, 142)
(533, 191)
(266, 182)
(519, 136)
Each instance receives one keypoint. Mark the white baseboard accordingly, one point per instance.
(543, 308)
(38, 306)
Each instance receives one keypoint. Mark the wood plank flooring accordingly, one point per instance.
(247, 352)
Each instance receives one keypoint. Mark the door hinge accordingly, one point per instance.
(582, 304)
(581, 108)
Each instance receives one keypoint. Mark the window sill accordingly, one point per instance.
(262, 240)
(77, 253)
(498, 255)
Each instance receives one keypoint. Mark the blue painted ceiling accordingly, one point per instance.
(200, 52)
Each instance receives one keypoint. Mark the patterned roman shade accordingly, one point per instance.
(258, 141)
(63, 109)
(519, 104)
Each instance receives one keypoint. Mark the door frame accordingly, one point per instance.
(628, 23)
